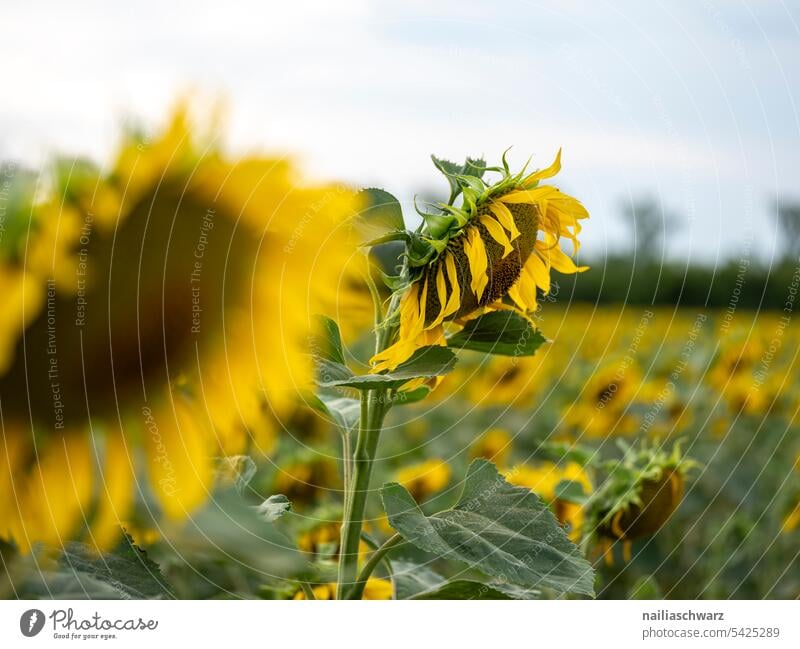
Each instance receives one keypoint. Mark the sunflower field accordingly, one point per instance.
(220, 378)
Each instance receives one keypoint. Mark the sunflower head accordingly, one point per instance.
(490, 251)
(643, 490)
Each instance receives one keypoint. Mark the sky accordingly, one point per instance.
(692, 102)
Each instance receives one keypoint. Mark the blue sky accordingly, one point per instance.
(694, 103)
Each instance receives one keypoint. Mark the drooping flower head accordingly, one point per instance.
(490, 252)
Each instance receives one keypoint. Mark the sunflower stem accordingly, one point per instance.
(377, 556)
(369, 429)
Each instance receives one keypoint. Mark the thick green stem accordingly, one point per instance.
(377, 556)
(374, 406)
(369, 430)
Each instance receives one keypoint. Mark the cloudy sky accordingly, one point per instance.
(694, 102)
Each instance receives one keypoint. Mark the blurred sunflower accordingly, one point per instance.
(425, 478)
(160, 309)
(494, 445)
(602, 408)
(491, 252)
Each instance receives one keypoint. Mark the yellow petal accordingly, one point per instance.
(59, 492)
(179, 455)
(498, 234)
(539, 271)
(549, 172)
(454, 302)
(404, 348)
(115, 500)
(441, 294)
(410, 321)
(423, 303)
(478, 263)
(528, 195)
(558, 259)
(505, 217)
(523, 292)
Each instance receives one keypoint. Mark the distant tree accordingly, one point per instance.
(648, 223)
(788, 217)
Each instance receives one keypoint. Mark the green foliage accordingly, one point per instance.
(503, 333)
(504, 531)
(327, 344)
(649, 282)
(125, 573)
(426, 362)
(380, 214)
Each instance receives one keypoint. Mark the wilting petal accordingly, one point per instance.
(506, 218)
(478, 263)
(549, 172)
(497, 233)
(455, 288)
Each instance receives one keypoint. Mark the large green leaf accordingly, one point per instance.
(328, 343)
(502, 530)
(411, 578)
(416, 581)
(127, 570)
(344, 411)
(504, 333)
(463, 589)
(380, 214)
(426, 362)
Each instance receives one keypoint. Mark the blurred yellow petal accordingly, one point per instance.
(116, 492)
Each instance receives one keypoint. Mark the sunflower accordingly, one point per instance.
(159, 312)
(494, 445)
(491, 252)
(603, 408)
(425, 478)
(638, 497)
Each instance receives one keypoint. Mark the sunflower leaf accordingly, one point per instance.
(344, 412)
(394, 235)
(380, 214)
(411, 396)
(411, 578)
(424, 363)
(127, 570)
(503, 333)
(462, 589)
(474, 167)
(328, 343)
(502, 530)
(571, 491)
(438, 224)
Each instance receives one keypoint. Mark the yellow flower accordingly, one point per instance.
(602, 409)
(497, 259)
(425, 479)
(318, 536)
(159, 309)
(494, 445)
